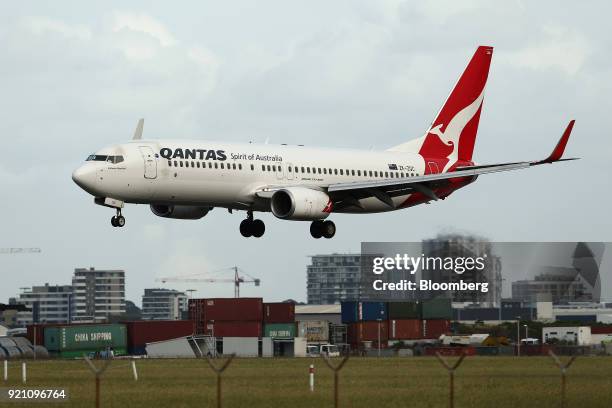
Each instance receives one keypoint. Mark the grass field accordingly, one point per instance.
(364, 382)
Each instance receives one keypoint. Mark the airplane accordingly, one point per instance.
(187, 179)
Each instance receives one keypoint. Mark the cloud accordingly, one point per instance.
(142, 23)
(40, 25)
(562, 48)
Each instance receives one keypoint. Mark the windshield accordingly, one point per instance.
(331, 349)
(110, 159)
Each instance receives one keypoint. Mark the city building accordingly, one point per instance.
(9, 314)
(464, 246)
(99, 295)
(45, 304)
(333, 278)
(163, 304)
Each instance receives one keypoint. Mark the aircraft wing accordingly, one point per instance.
(348, 193)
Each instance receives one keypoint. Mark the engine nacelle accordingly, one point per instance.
(181, 212)
(300, 203)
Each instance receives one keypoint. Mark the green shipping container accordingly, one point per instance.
(280, 330)
(404, 310)
(85, 338)
(436, 309)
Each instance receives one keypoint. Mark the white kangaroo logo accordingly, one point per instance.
(450, 137)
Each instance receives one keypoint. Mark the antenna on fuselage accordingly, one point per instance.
(138, 131)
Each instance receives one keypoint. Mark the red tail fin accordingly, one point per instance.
(453, 132)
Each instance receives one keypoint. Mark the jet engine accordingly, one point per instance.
(181, 212)
(300, 203)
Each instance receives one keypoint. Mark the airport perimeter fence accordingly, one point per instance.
(220, 364)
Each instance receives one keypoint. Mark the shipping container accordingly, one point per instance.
(404, 310)
(436, 309)
(279, 330)
(576, 318)
(363, 311)
(368, 331)
(141, 332)
(405, 329)
(279, 312)
(601, 329)
(233, 329)
(233, 309)
(314, 331)
(450, 351)
(433, 329)
(86, 338)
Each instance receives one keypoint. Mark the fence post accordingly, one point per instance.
(451, 373)
(563, 368)
(5, 376)
(134, 370)
(336, 370)
(97, 373)
(219, 371)
(311, 371)
(24, 372)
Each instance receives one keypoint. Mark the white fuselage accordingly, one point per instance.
(220, 174)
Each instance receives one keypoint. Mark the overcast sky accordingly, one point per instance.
(76, 76)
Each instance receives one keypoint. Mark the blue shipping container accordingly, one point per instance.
(363, 311)
(577, 318)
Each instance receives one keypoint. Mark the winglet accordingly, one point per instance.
(138, 131)
(560, 148)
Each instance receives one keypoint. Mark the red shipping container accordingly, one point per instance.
(195, 309)
(405, 329)
(601, 329)
(279, 312)
(233, 329)
(450, 351)
(367, 331)
(147, 331)
(233, 309)
(433, 329)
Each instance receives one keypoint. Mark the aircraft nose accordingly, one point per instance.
(84, 177)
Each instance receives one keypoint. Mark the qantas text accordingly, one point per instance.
(193, 154)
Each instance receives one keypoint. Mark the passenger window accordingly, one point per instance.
(175, 163)
(263, 167)
(307, 169)
(210, 165)
(289, 169)
(193, 164)
(324, 170)
(341, 172)
(268, 167)
(302, 169)
(222, 166)
(252, 167)
(273, 168)
(169, 163)
(330, 171)
(216, 165)
(352, 172)
(234, 166)
(336, 172)
(319, 170)
(239, 166)
(181, 163)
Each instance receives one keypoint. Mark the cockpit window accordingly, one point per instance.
(97, 157)
(115, 159)
(110, 159)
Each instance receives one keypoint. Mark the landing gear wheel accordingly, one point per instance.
(328, 229)
(245, 228)
(114, 221)
(120, 221)
(316, 229)
(258, 228)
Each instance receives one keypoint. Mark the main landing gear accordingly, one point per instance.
(321, 228)
(251, 227)
(118, 220)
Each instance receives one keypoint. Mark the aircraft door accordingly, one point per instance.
(150, 162)
(433, 168)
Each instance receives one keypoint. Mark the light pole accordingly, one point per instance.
(379, 322)
(526, 331)
(518, 336)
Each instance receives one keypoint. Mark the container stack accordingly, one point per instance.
(75, 340)
(279, 320)
(227, 317)
(367, 322)
(141, 332)
(394, 321)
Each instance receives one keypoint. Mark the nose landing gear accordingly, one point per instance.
(321, 228)
(118, 220)
(252, 228)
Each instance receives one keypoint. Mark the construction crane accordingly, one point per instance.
(20, 250)
(238, 279)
